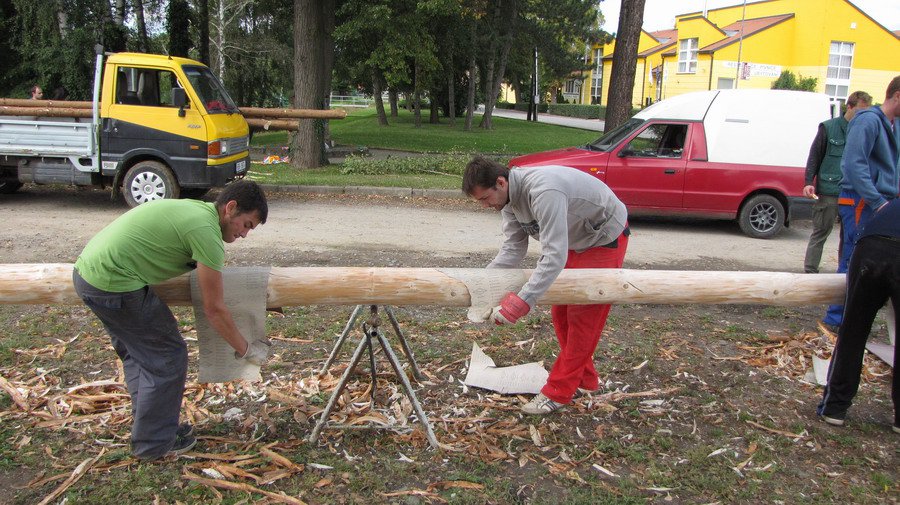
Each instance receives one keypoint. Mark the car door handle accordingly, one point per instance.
(670, 171)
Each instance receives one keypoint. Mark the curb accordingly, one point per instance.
(365, 190)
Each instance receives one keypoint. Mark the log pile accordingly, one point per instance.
(293, 286)
(257, 117)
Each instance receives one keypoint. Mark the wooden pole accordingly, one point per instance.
(273, 124)
(44, 111)
(24, 102)
(257, 112)
(291, 286)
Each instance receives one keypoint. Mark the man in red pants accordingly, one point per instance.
(580, 223)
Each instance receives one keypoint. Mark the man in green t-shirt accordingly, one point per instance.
(149, 244)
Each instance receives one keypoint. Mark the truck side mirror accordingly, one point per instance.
(179, 99)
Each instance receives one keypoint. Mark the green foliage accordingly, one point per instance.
(579, 111)
(787, 80)
(449, 164)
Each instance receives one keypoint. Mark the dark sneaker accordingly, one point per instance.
(183, 443)
(184, 429)
(836, 419)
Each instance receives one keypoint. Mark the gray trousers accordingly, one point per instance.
(825, 211)
(146, 337)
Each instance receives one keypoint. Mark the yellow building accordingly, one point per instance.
(748, 46)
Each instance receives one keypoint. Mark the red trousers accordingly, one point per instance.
(578, 329)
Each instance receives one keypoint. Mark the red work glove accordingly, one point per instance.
(509, 311)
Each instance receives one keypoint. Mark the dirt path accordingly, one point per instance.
(53, 224)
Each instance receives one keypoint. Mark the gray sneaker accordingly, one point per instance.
(836, 419)
(183, 443)
(540, 405)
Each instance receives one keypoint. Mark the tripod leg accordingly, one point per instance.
(395, 364)
(341, 339)
(357, 356)
(406, 350)
(369, 335)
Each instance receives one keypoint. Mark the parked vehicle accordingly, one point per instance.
(160, 127)
(724, 154)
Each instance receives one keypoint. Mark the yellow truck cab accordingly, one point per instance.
(168, 128)
(160, 127)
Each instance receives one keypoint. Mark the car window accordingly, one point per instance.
(145, 86)
(658, 141)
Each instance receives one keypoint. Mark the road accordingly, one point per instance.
(53, 225)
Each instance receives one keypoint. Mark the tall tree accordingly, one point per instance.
(143, 41)
(624, 64)
(202, 8)
(178, 23)
(313, 62)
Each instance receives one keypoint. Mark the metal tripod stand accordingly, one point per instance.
(372, 332)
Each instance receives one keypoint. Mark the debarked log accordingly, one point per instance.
(292, 286)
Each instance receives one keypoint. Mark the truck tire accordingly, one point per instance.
(9, 187)
(147, 181)
(761, 216)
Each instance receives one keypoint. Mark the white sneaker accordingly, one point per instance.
(540, 405)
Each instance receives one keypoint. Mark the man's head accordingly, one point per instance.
(37, 93)
(487, 182)
(891, 105)
(857, 100)
(242, 206)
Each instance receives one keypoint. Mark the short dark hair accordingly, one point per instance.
(249, 197)
(858, 96)
(482, 172)
(892, 88)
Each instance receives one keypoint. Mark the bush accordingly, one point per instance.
(450, 164)
(787, 80)
(576, 110)
(523, 106)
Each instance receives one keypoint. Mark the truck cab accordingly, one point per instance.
(168, 128)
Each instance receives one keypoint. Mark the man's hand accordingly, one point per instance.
(509, 311)
(810, 192)
(258, 352)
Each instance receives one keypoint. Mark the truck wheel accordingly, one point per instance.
(8, 187)
(762, 216)
(147, 181)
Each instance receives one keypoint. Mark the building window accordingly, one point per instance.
(597, 76)
(687, 56)
(840, 61)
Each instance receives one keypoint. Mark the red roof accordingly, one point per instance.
(750, 26)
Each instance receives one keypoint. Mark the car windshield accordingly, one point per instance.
(211, 92)
(610, 139)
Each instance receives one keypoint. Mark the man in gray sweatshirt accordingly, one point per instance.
(580, 223)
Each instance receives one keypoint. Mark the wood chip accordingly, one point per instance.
(76, 474)
(239, 486)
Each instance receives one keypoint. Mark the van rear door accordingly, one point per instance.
(648, 169)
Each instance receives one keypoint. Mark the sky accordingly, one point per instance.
(660, 14)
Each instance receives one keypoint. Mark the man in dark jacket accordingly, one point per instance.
(823, 176)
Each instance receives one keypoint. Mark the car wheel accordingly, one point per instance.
(147, 181)
(8, 187)
(762, 216)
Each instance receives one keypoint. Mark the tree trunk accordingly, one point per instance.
(470, 97)
(433, 117)
(312, 38)
(379, 102)
(392, 99)
(624, 65)
(143, 40)
(220, 41)
(451, 90)
(203, 29)
(62, 19)
(505, 21)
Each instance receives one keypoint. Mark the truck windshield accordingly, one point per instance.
(610, 139)
(210, 90)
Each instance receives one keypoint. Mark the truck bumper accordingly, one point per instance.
(799, 207)
(216, 176)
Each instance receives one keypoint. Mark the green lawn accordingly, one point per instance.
(509, 136)
(283, 174)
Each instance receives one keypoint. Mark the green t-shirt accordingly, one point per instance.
(151, 243)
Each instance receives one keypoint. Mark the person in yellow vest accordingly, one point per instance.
(823, 177)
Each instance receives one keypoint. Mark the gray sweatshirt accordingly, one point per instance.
(563, 208)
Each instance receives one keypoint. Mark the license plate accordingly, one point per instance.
(241, 166)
